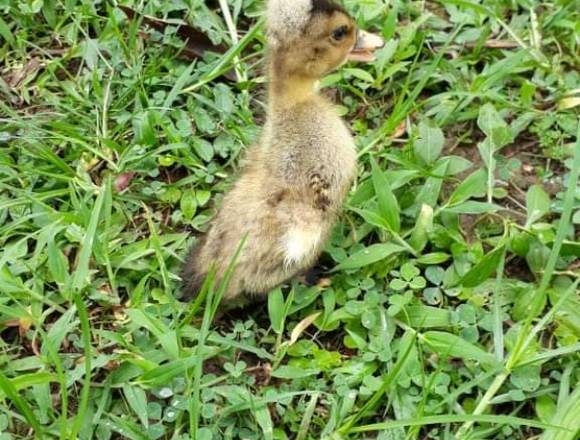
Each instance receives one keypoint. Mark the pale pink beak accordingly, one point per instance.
(366, 44)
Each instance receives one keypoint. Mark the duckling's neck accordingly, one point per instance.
(288, 88)
(287, 91)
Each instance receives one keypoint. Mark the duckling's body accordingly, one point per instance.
(289, 193)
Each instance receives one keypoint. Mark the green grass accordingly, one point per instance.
(449, 306)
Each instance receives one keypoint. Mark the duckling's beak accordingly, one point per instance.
(366, 44)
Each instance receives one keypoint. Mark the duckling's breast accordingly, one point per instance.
(311, 141)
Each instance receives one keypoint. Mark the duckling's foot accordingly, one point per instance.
(313, 277)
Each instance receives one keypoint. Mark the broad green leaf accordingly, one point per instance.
(372, 218)
(204, 434)
(5, 32)
(204, 121)
(276, 310)
(137, 400)
(170, 343)
(290, 372)
(202, 196)
(390, 23)
(545, 408)
(429, 193)
(457, 165)
(434, 258)
(399, 178)
(57, 262)
(143, 127)
(388, 205)
(472, 186)
(147, 321)
(486, 150)
(360, 74)
(472, 207)
(489, 119)
(264, 419)
(483, 269)
(430, 143)
(370, 255)
(448, 344)
(495, 128)
(425, 317)
(524, 306)
(203, 149)
(385, 55)
(188, 204)
(423, 227)
(537, 256)
(58, 331)
(393, 69)
(537, 204)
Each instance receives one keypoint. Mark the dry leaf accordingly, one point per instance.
(27, 72)
(301, 326)
(500, 44)
(570, 102)
(400, 131)
(122, 181)
(24, 325)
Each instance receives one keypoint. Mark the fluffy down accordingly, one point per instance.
(286, 19)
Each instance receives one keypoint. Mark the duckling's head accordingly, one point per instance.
(310, 38)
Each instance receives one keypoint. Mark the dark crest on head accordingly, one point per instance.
(326, 7)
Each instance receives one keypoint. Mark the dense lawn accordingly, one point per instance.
(448, 302)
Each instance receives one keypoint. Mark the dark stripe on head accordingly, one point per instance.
(326, 7)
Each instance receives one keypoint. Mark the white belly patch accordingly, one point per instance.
(299, 244)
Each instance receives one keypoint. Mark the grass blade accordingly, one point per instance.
(81, 417)
(566, 417)
(439, 420)
(81, 273)
(213, 300)
(22, 406)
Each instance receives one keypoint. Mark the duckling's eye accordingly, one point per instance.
(339, 33)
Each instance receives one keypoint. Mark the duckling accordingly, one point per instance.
(294, 181)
